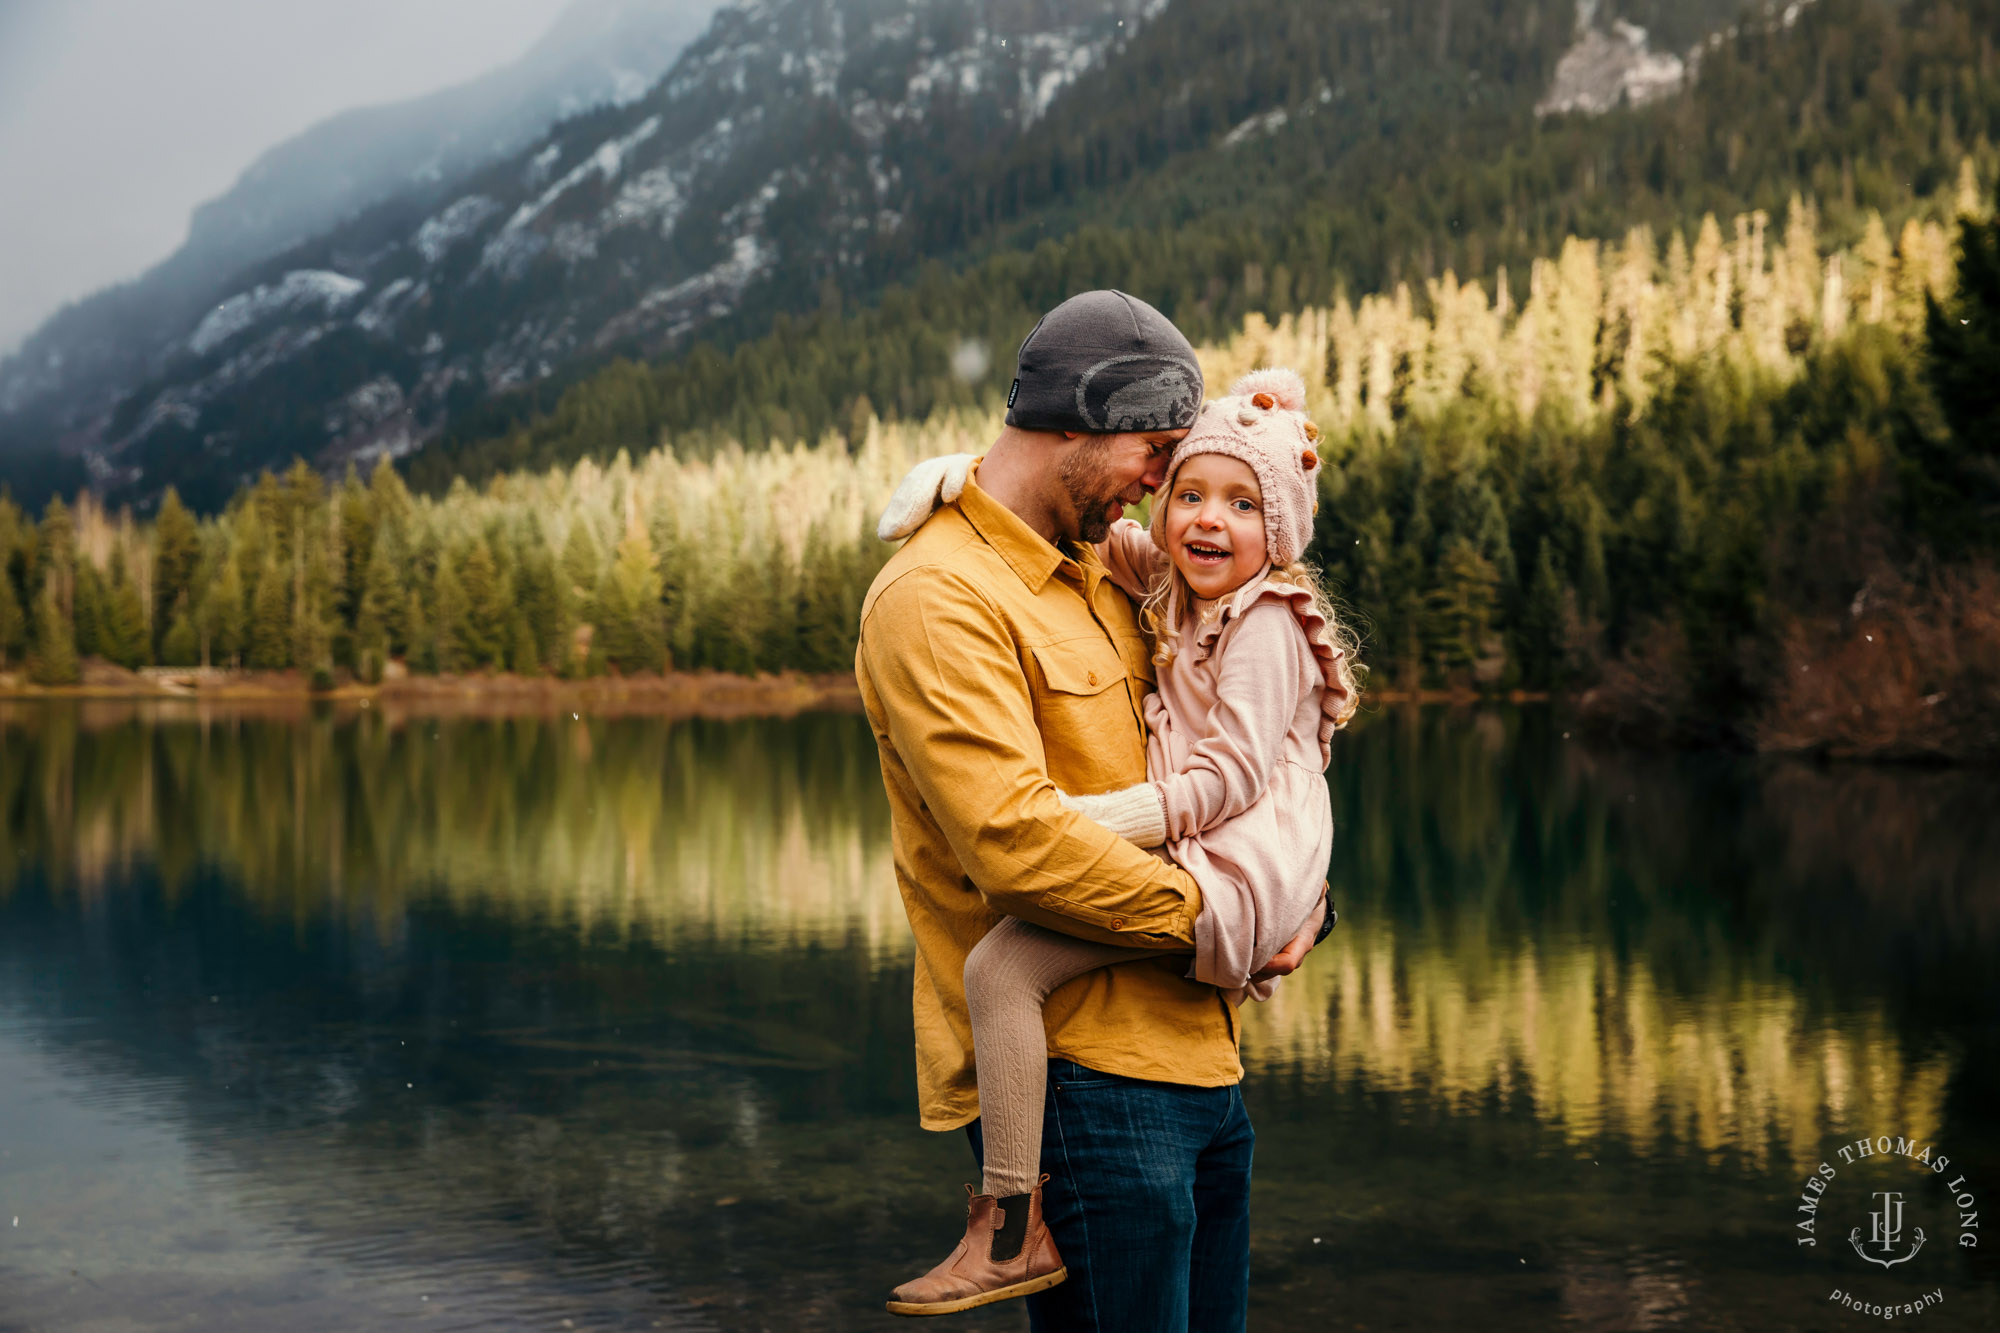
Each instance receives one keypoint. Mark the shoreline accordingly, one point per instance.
(704, 694)
(109, 694)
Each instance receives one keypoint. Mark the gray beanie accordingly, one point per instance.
(1104, 362)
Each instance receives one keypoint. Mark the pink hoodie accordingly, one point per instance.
(1239, 737)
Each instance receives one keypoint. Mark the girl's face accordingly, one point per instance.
(1215, 524)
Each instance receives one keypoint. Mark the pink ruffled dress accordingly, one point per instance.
(1239, 735)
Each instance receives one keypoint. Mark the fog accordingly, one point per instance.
(117, 117)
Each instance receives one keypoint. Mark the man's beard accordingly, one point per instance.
(1086, 476)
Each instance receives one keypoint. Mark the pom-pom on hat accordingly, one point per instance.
(1261, 421)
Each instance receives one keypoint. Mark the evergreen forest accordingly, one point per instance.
(1265, 157)
(1735, 484)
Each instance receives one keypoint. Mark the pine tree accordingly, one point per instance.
(825, 626)
(180, 646)
(420, 643)
(540, 601)
(1541, 623)
(176, 552)
(55, 660)
(357, 544)
(87, 609)
(122, 635)
(448, 613)
(316, 571)
(1593, 579)
(55, 548)
(10, 528)
(1877, 257)
(1964, 362)
(390, 497)
(222, 618)
(630, 625)
(580, 563)
(371, 647)
(524, 656)
(16, 557)
(303, 490)
(13, 621)
(379, 626)
(1909, 293)
(269, 633)
(741, 619)
(483, 632)
(1460, 607)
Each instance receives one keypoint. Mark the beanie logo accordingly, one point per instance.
(1013, 393)
(1144, 391)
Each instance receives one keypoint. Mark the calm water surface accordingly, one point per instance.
(343, 1021)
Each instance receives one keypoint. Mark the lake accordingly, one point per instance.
(336, 1019)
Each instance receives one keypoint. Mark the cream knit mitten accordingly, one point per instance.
(1137, 814)
(933, 482)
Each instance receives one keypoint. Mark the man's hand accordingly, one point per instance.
(1286, 961)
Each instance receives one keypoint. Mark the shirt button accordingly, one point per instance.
(1118, 923)
(1093, 678)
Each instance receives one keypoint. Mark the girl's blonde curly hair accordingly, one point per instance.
(1169, 601)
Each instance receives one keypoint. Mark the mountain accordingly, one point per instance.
(1259, 156)
(599, 52)
(832, 206)
(784, 149)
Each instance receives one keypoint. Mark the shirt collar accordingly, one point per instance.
(1026, 552)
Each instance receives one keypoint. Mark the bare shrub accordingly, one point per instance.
(1911, 670)
(1647, 691)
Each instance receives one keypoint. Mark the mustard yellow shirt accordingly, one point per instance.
(994, 669)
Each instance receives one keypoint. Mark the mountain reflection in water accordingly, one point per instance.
(506, 1022)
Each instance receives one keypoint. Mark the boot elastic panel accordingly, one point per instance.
(1013, 1231)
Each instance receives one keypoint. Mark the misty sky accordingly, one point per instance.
(117, 117)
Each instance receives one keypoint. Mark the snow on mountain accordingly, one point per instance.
(516, 245)
(296, 290)
(1606, 70)
(599, 53)
(787, 143)
(453, 224)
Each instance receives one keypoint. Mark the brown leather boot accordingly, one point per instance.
(990, 1264)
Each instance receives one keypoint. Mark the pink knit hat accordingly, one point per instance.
(1262, 421)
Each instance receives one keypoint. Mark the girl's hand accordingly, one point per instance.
(1134, 813)
(933, 482)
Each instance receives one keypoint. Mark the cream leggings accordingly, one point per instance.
(1007, 977)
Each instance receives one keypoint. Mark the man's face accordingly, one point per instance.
(1105, 473)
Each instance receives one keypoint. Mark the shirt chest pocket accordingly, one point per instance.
(1079, 667)
(1088, 732)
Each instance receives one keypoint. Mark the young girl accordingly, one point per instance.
(1255, 675)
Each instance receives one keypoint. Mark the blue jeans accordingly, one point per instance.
(1149, 1201)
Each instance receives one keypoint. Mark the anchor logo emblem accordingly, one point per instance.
(1885, 1230)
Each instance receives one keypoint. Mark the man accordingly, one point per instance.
(997, 663)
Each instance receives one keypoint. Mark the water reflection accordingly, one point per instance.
(1692, 954)
(628, 826)
(607, 1020)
